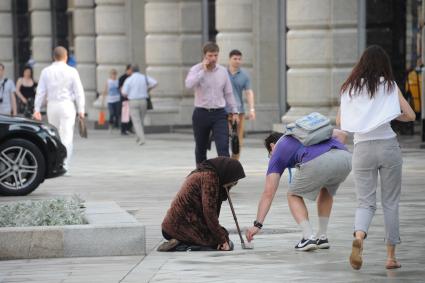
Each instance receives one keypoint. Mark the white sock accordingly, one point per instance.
(323, 226)
(307, 229)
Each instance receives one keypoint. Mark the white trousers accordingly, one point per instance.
(138, 109)
(61, 114)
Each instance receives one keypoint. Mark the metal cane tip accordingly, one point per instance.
(248, 246)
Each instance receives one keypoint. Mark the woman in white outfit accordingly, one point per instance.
(370, 100)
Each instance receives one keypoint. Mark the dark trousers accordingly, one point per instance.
(114, 113)
(204, 121)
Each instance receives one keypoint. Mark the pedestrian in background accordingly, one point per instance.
(241, 83)
(370, 100)
(126, 124)
(136, 89)
(7, 94)
(112, 94)
(61, 87)
(25, 90)
(213, 90)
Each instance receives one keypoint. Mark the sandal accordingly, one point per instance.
(356, 254)
(392, 263)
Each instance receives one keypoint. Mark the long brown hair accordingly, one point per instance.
(373, 64)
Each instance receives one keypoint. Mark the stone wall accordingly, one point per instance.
(85, 50)
(251, 27)
(321, 50)
(6, 39)
(41, 31)
(172, 47)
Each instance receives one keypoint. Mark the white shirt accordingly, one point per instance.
(60, 82)
(135, 86)
(383, 132)
(369, 118)
(6, 93)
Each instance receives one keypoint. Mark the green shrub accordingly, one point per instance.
(52, 212)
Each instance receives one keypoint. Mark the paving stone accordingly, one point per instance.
(144, 180)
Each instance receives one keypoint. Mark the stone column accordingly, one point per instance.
(112, 48)
(6, 37)
(321, 50)
(41, 31)
(172, 47)
(251, 27)
(85, 50)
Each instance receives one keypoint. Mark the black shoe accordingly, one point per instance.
(306, 245)
(323, 243)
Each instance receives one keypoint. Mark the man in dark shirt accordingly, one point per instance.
(125, 127)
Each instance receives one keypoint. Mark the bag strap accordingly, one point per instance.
(2, 86)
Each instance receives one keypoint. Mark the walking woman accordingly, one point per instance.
(192, 221)
(25, 90)
(370, 100)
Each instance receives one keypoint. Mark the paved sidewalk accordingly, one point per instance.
(143, 180)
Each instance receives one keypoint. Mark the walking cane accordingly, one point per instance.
(244, 246)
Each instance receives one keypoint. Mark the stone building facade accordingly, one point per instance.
(164, 37)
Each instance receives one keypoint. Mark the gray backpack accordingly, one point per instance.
(311, 129)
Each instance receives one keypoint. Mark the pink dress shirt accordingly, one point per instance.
(213, 89)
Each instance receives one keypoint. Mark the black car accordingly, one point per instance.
(30, 152)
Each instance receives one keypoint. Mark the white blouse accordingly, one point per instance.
(369, 118)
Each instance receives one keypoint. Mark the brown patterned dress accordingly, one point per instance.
(193, 216)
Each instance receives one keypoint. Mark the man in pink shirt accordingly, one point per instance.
(213, 91)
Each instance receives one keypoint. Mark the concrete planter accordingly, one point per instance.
(110, 231)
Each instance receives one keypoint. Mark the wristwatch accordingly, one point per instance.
(258, 224)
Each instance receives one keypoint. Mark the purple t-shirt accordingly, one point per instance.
(289, 151)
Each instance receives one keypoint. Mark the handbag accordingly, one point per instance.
(235, 139)
(100, 102)
(82, 128)
(148, 100)
(149, 103)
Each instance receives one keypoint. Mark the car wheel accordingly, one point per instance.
(22, 167)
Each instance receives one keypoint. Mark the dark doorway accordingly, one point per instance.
(21, 35)
(59, 23)
(386, 26)
(212, 31)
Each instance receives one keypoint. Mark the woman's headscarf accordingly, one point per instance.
(228, 170)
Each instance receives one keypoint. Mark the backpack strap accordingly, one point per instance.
(2, 87)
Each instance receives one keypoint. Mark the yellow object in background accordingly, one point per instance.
(414, 86)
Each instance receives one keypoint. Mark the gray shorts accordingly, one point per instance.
(325, 171)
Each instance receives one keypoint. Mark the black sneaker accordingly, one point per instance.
(306, 245)
(323, 243)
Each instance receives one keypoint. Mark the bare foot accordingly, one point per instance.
(356, 254)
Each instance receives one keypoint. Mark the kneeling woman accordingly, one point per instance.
(192, 220)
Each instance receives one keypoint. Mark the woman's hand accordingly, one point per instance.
(251, 232)
(224, 247)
